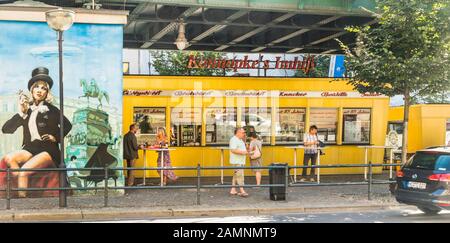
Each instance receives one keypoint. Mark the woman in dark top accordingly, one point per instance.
(41, 136)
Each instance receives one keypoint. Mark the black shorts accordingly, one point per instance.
(36, 147)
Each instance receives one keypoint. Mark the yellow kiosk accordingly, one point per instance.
(200, 114)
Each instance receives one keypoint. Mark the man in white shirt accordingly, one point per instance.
(238, 155)
(311, 143)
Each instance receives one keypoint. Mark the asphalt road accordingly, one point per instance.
(408, 215)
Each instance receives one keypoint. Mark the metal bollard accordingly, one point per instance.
(286, 173)
(370, 182)
(106, 188)
(8, 188)
(286, 180)
(198, 184)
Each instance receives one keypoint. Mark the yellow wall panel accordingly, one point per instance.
(427, 124)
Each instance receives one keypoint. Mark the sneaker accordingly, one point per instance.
(312, 180)
(303, 180)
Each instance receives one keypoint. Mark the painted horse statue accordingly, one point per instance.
(92, 90)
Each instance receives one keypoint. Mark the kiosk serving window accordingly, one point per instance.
(149, 120)
(186, 126)
(290, 125)
(257, 120)
(356, 126)
(220, 125)
(326, 121)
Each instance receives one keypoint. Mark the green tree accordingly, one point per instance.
(176, 62)
(321, 69)
(441, 97)
(406, 53)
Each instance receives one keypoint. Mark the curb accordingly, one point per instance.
(351, 209)
(53, 215)
(214, 212)
(6, 217)
(124, 214)
(140, 213)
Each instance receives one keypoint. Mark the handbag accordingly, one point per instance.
(256, 154)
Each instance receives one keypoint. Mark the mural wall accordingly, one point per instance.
(92, 103)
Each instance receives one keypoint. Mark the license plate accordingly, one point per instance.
(417, 185)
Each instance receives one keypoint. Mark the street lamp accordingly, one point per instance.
(61, 20)
(181, 40)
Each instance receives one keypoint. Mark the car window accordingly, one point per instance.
(424, 161)
(429, 161)
(443, 163)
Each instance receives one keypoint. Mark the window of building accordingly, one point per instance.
(186, 126)
(257, 120)
(220, 125)
(326, 121)
(290, 125)
(149, 119)
(356, 126)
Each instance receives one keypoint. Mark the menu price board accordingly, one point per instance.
(149, 119)
(326, 121)
(356, 125)
(290, 125)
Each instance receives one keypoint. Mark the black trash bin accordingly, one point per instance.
(278, 176)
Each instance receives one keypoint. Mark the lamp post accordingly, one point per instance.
(61, 20)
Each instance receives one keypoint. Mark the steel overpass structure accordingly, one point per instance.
(271, 26)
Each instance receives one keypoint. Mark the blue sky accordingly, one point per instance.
(90, 51)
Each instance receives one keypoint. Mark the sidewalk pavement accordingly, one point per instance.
(214, 202)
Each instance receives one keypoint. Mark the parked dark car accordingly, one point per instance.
(424, 180)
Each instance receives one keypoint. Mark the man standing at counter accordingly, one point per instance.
(311, 143)
(238, 152)
(130, 151)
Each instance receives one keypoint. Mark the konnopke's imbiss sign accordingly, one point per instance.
(250, 93)
(306, 64)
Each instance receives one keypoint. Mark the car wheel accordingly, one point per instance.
(429, 211)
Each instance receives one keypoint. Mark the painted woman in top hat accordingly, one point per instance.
(40, 122)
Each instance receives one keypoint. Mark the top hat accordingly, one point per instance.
(40, 74)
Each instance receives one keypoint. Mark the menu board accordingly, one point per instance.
(356, 111)
(326, 121)
(149, 119)
(290, 125)
(356, 125)
(352, 129)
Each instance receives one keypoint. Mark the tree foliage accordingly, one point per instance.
(176, 62)
(406, 53)
(321, 69)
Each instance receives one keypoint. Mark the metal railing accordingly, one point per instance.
(198, 186)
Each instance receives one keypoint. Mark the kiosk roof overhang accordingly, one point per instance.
(271, 26)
